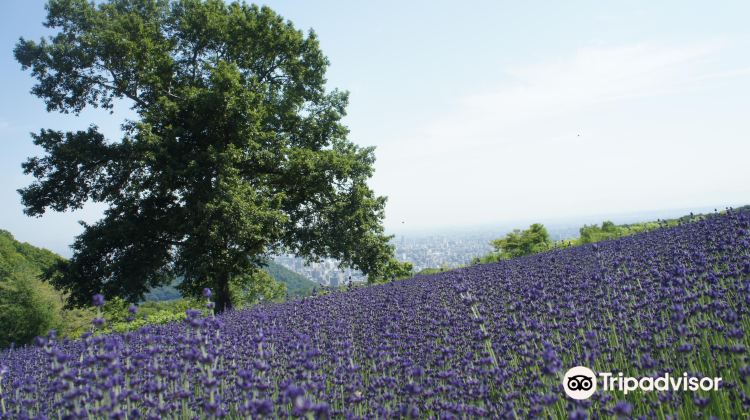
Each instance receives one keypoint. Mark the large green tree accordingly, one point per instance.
(237, 150)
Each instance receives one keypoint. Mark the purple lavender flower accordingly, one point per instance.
(623, 409)
(578, 414)
(98, 300)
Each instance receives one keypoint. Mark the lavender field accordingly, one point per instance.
(486, 341)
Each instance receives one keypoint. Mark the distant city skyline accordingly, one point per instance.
(494, 115)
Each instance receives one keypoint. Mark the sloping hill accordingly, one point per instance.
(14, 254)
(489, 341)
(296, 284)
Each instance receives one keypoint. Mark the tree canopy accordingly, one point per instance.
(518, 243)
(237, 150)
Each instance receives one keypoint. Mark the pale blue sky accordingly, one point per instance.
(491, 112)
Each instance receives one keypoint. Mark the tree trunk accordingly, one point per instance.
(223, 298)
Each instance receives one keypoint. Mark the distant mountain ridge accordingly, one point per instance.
(297, 285)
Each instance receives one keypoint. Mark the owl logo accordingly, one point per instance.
(579, 383)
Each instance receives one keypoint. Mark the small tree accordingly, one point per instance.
(518, 243)
(237, 150)
(594, 233)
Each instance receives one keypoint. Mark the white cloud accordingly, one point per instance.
(590, 77)
(601, 130)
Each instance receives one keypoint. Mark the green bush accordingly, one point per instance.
(118, 319)
(25, 312)
(28, 307)
(518, 243)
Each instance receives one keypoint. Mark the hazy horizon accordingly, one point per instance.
(496, 115)
(496, 230)
(567, 222)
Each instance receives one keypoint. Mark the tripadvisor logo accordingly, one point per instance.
(580, 383)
